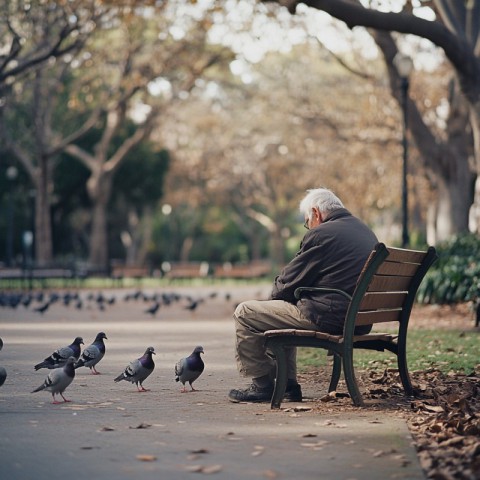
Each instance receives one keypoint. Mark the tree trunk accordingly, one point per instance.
(474, 214)
(43, 222)
(99, 190)
(144, 242)
(447, 162)
(449, 211)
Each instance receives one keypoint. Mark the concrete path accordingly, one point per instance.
(110, 431)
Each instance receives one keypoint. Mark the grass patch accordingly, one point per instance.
(445, 350)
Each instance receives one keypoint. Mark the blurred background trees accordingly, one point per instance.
(189, 131)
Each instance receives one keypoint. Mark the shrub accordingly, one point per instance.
(455, 277)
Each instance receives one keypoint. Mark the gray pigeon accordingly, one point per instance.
(3, 372)
(58, 380)
(59, 357)
(190, 368)
(93, 354)
(138, 370)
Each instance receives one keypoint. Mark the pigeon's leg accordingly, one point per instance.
(184, 389)
(55, 402)
(64, 399)
(141, 388)
(193, 389)
(94, 370)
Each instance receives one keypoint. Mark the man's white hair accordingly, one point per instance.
(322, 198)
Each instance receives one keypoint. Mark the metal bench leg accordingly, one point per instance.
(336, 372)
(349, 373)
(403, 370)
(281, 376)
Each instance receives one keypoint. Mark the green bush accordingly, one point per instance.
(455, 276)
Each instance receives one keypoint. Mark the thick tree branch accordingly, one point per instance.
(75, 136)
(457, 49)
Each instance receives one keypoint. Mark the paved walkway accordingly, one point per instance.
(110, 431)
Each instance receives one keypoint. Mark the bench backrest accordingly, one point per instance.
(387, 286)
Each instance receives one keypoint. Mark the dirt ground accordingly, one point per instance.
(444, 418)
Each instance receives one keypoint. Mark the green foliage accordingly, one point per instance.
(455, 277)
(445, 350)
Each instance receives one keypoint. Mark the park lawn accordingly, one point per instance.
(444, 350)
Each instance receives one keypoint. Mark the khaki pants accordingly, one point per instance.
(254, 317)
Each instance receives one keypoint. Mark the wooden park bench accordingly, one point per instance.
(187, 270)
(119, 273)
(385, 292)
(254, 269)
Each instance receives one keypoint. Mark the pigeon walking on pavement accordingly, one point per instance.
(93, 354)
(58, 380)
(188, 369)
(3, 372)
(60, 356)
(138, 370)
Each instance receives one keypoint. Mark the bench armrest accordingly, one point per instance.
(299, 290)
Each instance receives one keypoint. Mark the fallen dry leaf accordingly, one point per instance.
(146, 458)
(140, 426)
(205, 469)
(199, 451)
(258, 450)
(270, 474)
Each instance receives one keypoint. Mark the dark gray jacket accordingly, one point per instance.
(331, 255)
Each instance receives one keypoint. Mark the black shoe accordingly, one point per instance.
(293, 393)
(251, 394)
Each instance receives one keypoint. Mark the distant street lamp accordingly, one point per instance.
(404, 66)
(11, 173)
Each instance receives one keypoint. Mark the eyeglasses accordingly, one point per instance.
(306, 224)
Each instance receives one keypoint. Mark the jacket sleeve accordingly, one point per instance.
(302, 270)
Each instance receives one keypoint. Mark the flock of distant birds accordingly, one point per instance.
(64, 361)
(41, 301)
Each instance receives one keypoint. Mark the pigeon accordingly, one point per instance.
(3, 372)
(190, 368)
(58, 380)
(3, 376)
(42, 308)
(138, 370)
(193, 304)
(93, 354)
(153, 309)
(60, 356)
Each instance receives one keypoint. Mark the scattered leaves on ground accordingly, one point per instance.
(443, 417)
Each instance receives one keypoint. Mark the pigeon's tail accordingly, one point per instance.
(119, 378)
(38, 389)
(40, 365)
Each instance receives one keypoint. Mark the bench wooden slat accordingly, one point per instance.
(327, 336)
(378, 316)
(389, 283)
(374, 300)
(384, 337)
(400, 255)
(398, 269)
